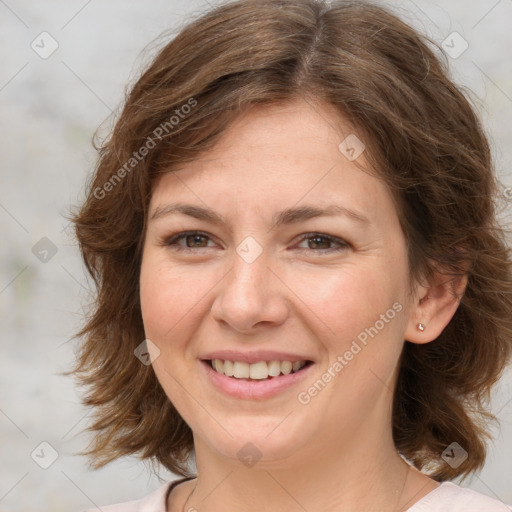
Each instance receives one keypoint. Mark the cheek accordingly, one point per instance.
(350, 299)
(173, 298)
(167, 299)
(365, 345)
(163, 297)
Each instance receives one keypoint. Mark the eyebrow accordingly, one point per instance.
(287, 216)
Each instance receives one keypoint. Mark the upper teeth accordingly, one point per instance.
(259, 370)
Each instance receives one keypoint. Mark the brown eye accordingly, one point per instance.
(319, 241)
(194, 240)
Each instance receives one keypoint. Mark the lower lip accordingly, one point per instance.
(254, 389)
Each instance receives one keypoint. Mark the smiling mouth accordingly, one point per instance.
(261, 370)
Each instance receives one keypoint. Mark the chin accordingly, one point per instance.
(257, 444)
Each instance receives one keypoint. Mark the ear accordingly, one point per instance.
(434, 306)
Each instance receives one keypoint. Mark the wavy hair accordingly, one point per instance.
(422, 137)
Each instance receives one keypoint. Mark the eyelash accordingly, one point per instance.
(171, 241)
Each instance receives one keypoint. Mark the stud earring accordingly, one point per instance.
(421, 327)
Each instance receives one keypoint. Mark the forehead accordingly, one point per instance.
(276, 156)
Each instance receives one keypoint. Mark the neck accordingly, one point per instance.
(362, 474)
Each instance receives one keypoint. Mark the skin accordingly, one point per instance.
(336, 452)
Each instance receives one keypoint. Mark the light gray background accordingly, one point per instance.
(49, 110)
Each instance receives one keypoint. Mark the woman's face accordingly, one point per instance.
(259, 285)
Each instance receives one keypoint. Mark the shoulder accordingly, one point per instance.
(152, 502)
(449, 497)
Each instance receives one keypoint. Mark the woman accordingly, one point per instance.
(302, 283)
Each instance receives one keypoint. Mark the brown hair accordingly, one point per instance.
(421, 136)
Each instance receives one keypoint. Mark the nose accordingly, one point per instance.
(250, 296)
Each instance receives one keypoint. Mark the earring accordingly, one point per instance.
(421, 327)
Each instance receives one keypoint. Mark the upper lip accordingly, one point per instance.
(254, 356)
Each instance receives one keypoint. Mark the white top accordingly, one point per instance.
(447, 497)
